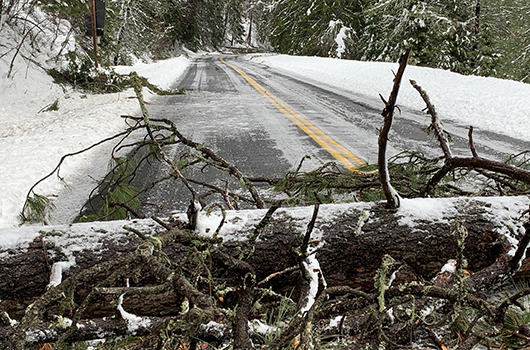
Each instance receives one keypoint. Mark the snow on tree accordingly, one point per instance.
(233, 24)
(441, 33)
(510, 29)
(258, 13)
(319, 28)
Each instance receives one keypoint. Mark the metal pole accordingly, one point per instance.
(94, 32)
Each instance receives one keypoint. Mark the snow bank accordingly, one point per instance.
(163, 74)
(486, 103)
(33, 141)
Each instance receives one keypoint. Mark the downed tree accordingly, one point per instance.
(79, 271)
(212, 278)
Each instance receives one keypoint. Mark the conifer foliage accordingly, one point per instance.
(312, 27)
(153, 28)
(483, 37)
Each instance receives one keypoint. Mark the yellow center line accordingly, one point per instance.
(339, 152)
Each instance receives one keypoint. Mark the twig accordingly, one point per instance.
(476, 163)
(193, 208)
(160, 288)
(210, 154)
(471, 143)
(245, 300)
(135, 231)
(260, 228)
(63, 158)
(440, 133)
(18, 50)
(276, 274)
(161, 223)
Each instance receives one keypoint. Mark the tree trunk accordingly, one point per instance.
(350, 240)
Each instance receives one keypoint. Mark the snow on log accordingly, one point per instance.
(350, 240)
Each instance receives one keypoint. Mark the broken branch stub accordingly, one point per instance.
(391, 195)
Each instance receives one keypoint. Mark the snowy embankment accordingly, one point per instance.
(486, 103)
(32, 141)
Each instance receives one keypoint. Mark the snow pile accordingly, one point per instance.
(163, 74)
(32, 140)
(486, 103)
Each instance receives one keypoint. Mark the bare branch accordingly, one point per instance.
(435, 124)
(384, 177)
(471, 143)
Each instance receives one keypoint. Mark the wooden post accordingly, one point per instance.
(94, 32)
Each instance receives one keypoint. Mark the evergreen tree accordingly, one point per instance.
(233, 23)
(203, 22)
(137, 27)
(312, 27)
(441, 33)
(510, 27)
(258, 14)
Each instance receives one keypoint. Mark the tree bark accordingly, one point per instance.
(350, 241)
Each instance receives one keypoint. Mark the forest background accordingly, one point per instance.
(480, 37)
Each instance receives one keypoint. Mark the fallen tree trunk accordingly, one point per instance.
(350, 241)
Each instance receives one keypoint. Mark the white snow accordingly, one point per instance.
(56, 275)
(15, 237)
(427, 209)
(340, 37)
(312, 266)
(334, 323)
(258, 327)
(163, 74)
(32, 141)
(215, 328)
(450, 266)
(133, 322)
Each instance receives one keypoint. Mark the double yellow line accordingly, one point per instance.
(345, 157)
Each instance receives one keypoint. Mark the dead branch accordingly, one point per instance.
(476, 163)
(388, 113)
(452, 163)
(471, 143)
(440, 133)
(195, 205)
(61, 161)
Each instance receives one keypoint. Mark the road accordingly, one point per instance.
(265, 122)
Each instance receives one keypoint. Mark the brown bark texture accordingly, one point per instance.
(350, 241)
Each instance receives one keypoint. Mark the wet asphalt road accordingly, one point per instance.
(224, 112)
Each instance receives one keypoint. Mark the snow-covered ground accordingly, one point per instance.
(32, 141)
